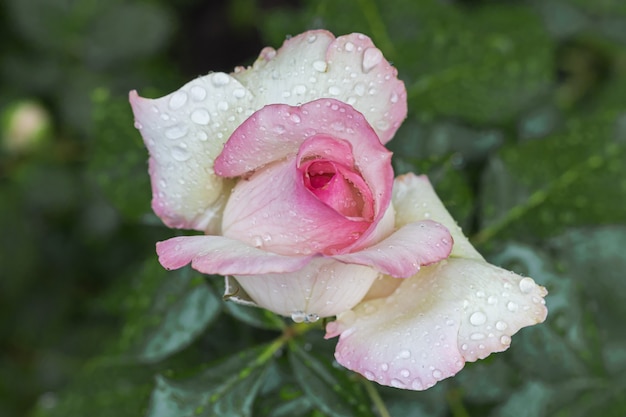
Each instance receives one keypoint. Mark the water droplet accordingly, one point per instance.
(417, 384)
(396, 383)
(405, 373)
(478, 318)
(334, 90)
(311, 38)
(369, 375)
(220, 79)
(299, 90)
(222, 105)
(384, 366)
(394, 98)
(500, 325)
(298, 316)
(320, 66)
(198, 93)
(511, 306)
(437, 374)
(138, 125)
(492, 300)
(526, 285)
(450, 322)
(180, 153)
(312, 318)
(338, 126)
(371, 58)
(176, 132)
(404, 354)
(178, 100)
(464, 346)
(201, 117)
(382, 124)
(239, 93)
(359, 89)
(349, 46)
(295, 118)
(477, 336)
(505, 340)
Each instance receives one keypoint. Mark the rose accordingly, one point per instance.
(294, 200)
(306, 225)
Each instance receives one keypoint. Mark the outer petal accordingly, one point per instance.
(455, 311)
(401, 254)
(220, 255)
(184, 132)
(350, 68)
(323, 288)
(414, 200)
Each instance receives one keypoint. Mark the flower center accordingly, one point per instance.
(339, 187)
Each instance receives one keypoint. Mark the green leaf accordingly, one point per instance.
(530, 401)
(167, 311)
(254, 316)
(119, 158)
(598, 253)
(572, 178)
(328, 388)
(227, 389)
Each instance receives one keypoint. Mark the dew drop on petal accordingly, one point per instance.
(369, 375)
(220, 79)
(478, 318)
(201, 117)
(396, 383)
(180, 153)
(505, 340)
(176, 132)
(404, 354)
(198, 93)
(526, 285)
(405, 373)
(298, 316)
(320, 66)
(349, 46)
(500, 325)
(178, 100)
(511, 306)
(222, 105)
(334, 90)
(371, 58)
(312, 318)
(437, 374)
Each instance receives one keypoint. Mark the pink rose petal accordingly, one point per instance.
(455, 311)
(349, 68)
(220, 255)
(401, 254)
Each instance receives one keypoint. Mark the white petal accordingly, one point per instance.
(349, 68)
(184, 132)
(455, 311)
(324, 288)
(414, 200)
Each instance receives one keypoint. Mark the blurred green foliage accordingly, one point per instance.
(517, 112)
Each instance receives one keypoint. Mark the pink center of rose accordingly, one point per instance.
(339, 187)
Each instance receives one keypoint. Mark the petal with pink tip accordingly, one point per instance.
(349, 68)
(401, 254)
(455, 311)
(415, 199)
(323, 288)
(184, 132)
(220, 255)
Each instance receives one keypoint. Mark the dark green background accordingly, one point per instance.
(517, 112)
